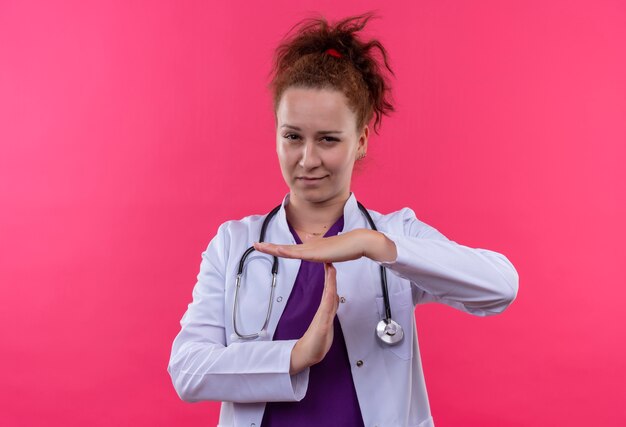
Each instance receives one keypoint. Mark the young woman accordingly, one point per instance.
(330, 338)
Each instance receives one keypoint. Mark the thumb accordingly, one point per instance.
(331, 277)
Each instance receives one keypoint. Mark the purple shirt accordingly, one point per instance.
(330, 399)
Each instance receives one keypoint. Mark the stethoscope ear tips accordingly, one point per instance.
(389, 332)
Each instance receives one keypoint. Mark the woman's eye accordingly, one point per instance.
(328, 140)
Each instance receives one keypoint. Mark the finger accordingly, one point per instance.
(317, 251)
(282, 251)
(330, 299)
(331, 277)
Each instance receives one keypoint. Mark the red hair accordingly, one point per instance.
(326, 56)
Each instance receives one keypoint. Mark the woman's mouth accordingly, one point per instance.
(310, 179)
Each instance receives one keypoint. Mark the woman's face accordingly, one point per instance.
(317, 143)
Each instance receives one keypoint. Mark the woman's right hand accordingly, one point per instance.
(316, 341)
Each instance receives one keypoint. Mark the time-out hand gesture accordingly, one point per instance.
(316, 341)
(344, 247)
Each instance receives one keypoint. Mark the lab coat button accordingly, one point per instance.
(342, 299)
(359, 363)
(279, 299)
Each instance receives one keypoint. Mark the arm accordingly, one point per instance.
(473, 280)
(477, 281)
(202, 367)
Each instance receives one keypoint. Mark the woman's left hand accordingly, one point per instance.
(344, 247)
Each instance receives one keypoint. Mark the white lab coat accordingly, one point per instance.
(208, 362)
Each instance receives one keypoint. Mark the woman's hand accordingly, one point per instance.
(344, 247)
(316, 341)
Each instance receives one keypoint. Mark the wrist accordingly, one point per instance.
(297, 363)
(379, 247)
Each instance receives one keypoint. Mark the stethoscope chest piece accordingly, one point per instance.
(389, 331)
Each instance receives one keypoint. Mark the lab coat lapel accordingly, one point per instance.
(352, 216)
(358, 284)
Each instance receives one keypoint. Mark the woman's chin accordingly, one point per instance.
(311, 195)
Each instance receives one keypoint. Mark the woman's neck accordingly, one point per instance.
(314, 217)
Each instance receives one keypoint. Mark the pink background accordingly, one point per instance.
(130, 130)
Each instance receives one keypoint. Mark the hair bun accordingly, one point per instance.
(302, 59)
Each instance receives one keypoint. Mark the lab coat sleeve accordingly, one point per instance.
(476, 281)
(203, 367)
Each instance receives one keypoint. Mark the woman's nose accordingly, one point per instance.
(309, 158)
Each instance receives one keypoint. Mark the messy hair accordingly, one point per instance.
(302, 60)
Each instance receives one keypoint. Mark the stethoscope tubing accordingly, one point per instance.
(386, 329)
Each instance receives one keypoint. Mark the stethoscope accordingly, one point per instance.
(387, 330)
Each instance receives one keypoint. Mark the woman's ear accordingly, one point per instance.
(362, 144)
